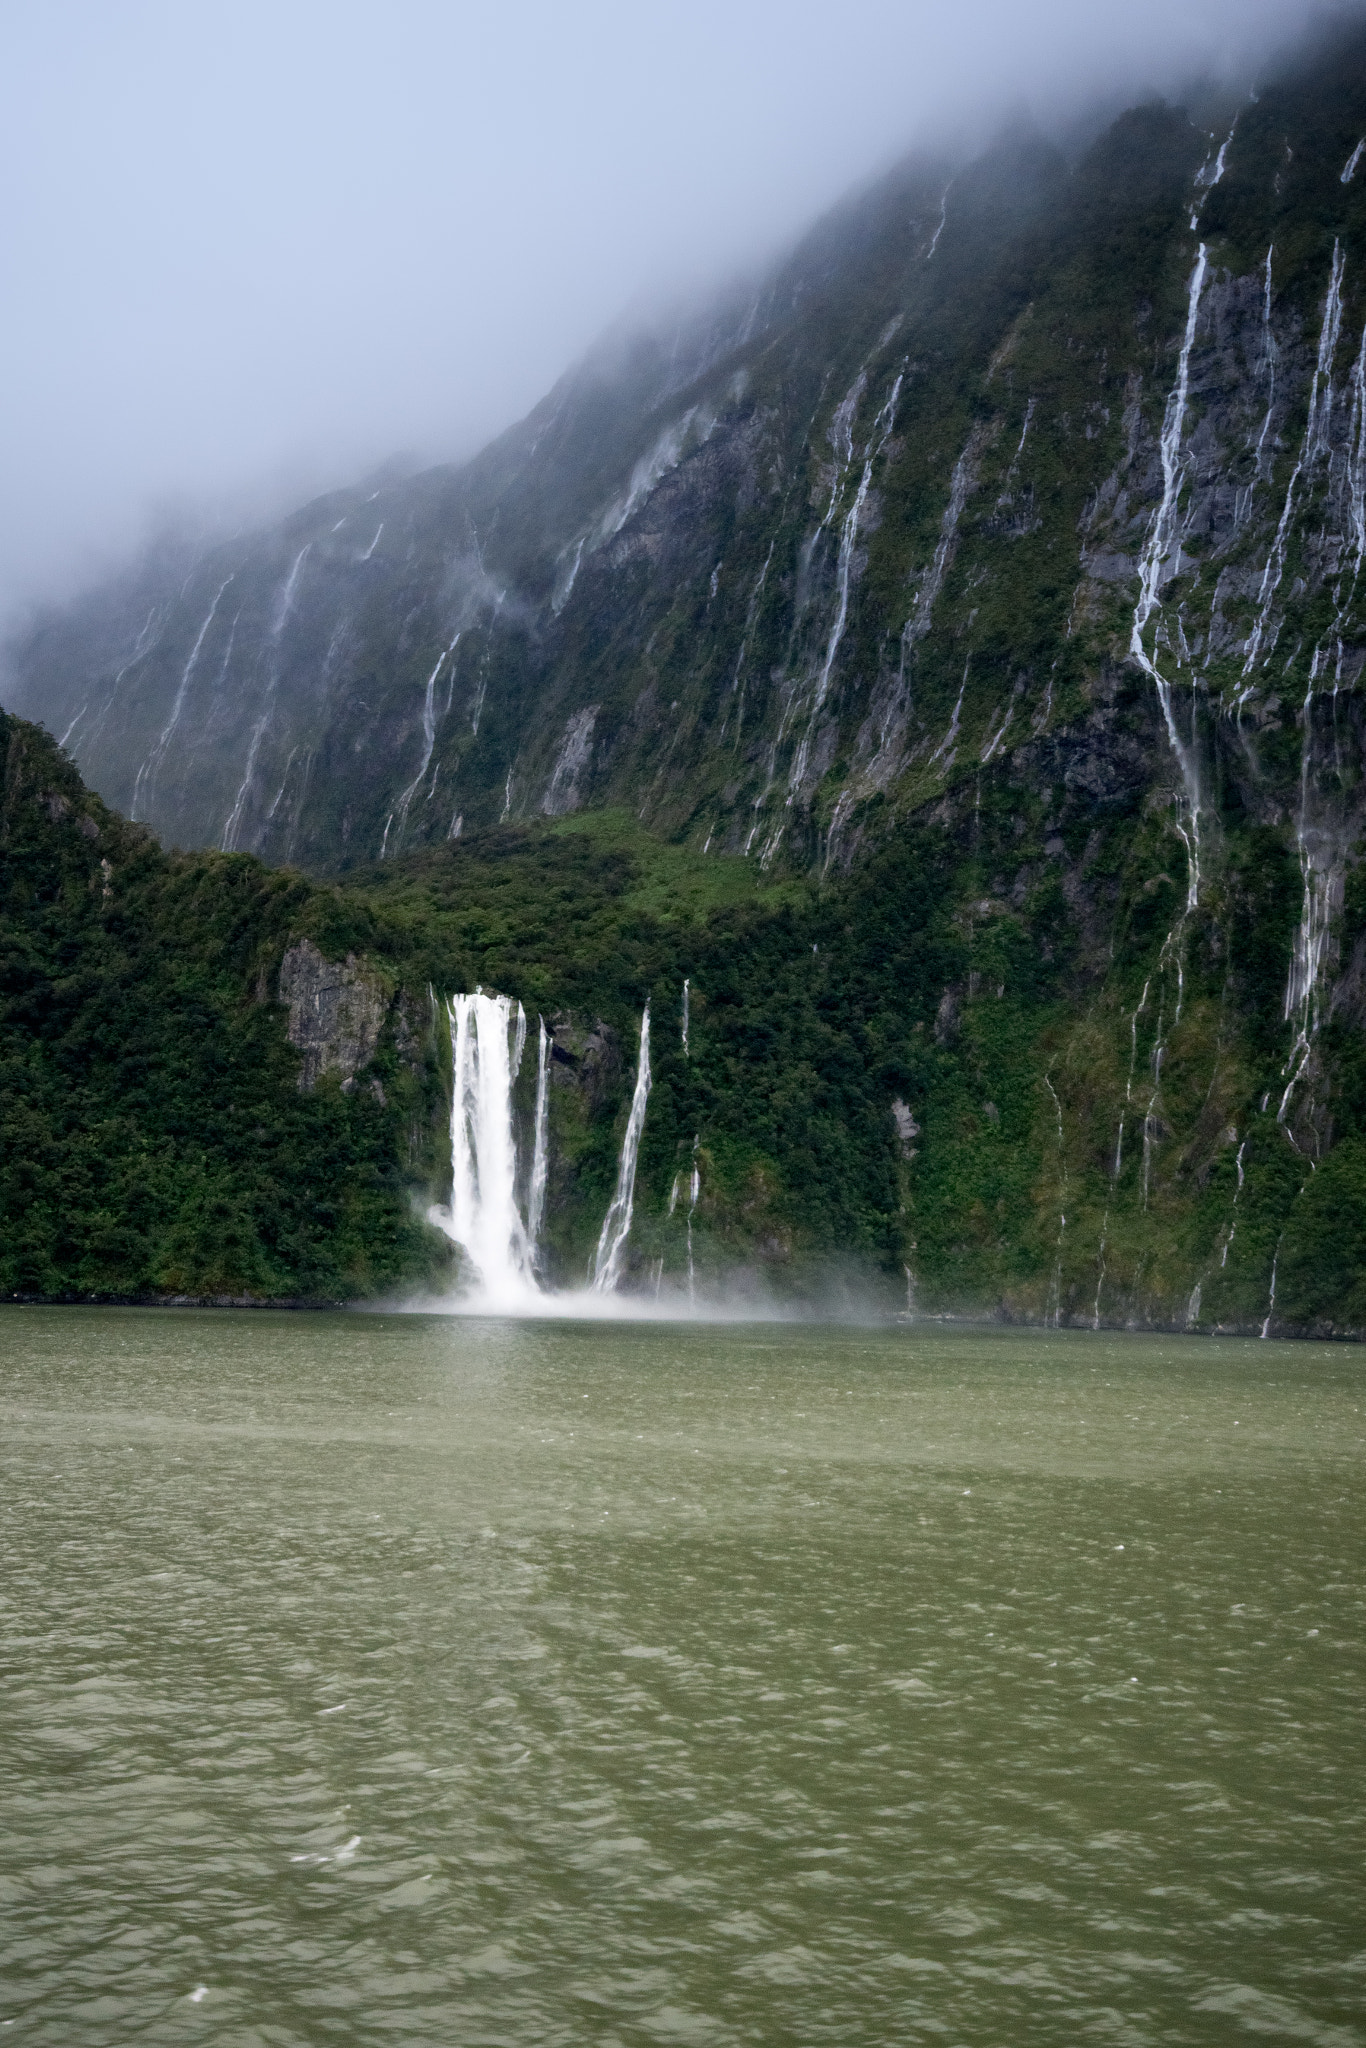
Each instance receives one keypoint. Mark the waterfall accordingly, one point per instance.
(147, 772)
(429, 723)
(518, 1044)
(283, 608)
(877, 441)
(1271, 1304)
(1315, 442)
(483, 1218)
(685, 1016)
(695, 1191)
(540, 1156)
(1322, 856)
(943, 216)
(617, 1222)
(1164, 537)
(501, 1241)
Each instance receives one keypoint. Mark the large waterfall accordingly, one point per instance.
(500, 1240)
(487, 1039)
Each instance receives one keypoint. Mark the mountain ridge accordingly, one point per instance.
(995, 585)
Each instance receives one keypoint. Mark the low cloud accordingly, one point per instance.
(252, 251)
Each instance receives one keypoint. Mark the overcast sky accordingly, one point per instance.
(248, 250)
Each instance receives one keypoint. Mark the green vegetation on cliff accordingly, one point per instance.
(922, 1065)
(153, 1139)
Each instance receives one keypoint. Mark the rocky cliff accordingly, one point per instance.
(1006, 543)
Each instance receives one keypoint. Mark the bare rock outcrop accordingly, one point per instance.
(336, 1013)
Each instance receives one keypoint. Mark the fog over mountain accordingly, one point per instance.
(923, 686)
(254, 251)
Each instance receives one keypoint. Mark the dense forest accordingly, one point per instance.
(872, 1091)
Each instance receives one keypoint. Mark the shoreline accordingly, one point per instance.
(999, 1320)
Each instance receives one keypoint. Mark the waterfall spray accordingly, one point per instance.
(617, 1222)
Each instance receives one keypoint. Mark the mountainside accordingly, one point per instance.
(153, 1138)
(221, 1080)
(821, 553)
(991, 582)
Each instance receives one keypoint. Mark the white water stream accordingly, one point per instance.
(483, 1217)
(147, 772)
(284, 606)
(429, 723)
(500, 1240)
(616, 1224)
(1156, 567)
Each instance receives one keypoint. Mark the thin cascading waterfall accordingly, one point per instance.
(284, 607)
(1270, 356)
(943, 216)
(840, 435)
(1233, 1213)
(946, 746)
(1322, 871)
(1314, 444)
(1356, 457)
(483, 1217)
(693, 1194)
(751, 610)
(74, 723)
(1152, 1123)
(1155, 568)
(736, 681)
(1056, 1291)
(428, 741)
(877, 441)
(540, 1148)
(961, 481)
(1320, 847)
(1100, 1265)
(1129, 1085)
(616, 1225)
(1271, 1301)
(685, 1015)
(1163, 536)
(482, 681)
(147, 773)
(153, 630)
(1154, 571)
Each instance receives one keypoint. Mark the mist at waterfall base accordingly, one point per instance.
(496, 1212)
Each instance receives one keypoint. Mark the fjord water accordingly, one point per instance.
(373, 1679)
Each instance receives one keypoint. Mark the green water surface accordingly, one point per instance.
(400, 1679)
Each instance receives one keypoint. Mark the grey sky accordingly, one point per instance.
(249, 250)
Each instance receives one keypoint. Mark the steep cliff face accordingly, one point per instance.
(336, 1013)
(1006, 547)
(155, 1138)
(821, 554)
